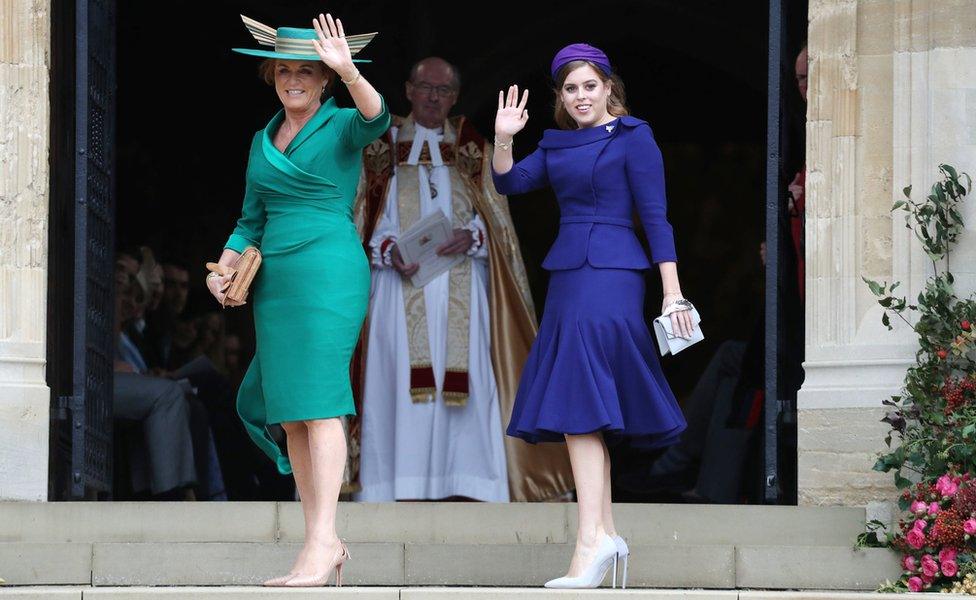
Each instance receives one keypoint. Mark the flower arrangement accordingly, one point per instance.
(932, 441)
(938, 535)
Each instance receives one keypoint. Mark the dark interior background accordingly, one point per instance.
(695, 69)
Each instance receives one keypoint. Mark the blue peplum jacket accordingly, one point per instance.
(600, 175)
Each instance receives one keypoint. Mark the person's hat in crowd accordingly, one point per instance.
(292, 43)
(580, 52)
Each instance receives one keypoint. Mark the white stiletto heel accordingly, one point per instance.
(623, 552)
(594, 574)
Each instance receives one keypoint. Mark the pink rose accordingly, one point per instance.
(919, 524)
(915, 538)
(969, 526)
(946, 486)
(949, 568)
(948, 554)
(908, 563)
(915, 584)
(934, 508)
(919, 507)
(930, 568)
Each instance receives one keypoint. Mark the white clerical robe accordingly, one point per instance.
(428, 450)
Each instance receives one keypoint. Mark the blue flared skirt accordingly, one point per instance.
(594, 367)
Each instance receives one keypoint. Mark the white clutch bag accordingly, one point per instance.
(668, 342)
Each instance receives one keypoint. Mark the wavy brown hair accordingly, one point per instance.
(616, 101)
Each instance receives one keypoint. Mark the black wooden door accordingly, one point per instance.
(82, 228)
(784, 336)
(91, 404)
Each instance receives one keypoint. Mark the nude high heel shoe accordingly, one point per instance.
(278, 581)
(594, 574)
(342, 555)
(623, 552)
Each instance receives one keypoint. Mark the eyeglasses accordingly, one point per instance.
(444, 91)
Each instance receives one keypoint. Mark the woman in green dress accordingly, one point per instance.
(311, 292)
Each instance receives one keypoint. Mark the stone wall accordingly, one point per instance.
(24, 119)
(892, 93)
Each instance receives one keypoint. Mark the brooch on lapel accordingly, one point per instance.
(609, 128)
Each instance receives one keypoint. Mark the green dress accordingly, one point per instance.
(311, 293)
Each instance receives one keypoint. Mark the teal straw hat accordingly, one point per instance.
(292, 43)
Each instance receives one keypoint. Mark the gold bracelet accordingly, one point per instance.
(504, 146)
(353, 80)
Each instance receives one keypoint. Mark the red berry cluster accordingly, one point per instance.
(965, 500)
(948, 529)
(956, 393)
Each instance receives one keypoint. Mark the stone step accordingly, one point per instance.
(394, 593)
(461, 523)
(534, 564)
(393, 564)
(45, 563)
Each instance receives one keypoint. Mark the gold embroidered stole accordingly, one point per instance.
(422, 384)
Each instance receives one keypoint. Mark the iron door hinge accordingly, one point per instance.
(61, 408)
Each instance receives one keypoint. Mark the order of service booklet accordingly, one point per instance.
(419, 244)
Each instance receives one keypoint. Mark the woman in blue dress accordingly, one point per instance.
(592, 373)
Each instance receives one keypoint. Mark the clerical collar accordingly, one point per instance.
(422, 135)
(435, 130)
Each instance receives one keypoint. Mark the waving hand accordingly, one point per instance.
(331, 45)
(512, 115)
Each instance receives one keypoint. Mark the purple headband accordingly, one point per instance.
(580, 52)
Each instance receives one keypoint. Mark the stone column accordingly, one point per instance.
(24, 109)
(892, 94)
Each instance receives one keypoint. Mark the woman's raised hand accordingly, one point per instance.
(512, 115)
(331, 45)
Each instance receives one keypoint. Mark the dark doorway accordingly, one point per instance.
(696, 70)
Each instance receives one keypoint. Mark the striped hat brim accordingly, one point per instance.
(287, 56)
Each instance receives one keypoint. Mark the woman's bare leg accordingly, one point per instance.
(587, 455)
(296, 436)
(327, 456)
(608, 524)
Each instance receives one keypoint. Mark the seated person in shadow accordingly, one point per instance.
(181, 345)
(161, 462)
(210, 485)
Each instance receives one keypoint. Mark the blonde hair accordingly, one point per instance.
(616, 101)
(266, 70)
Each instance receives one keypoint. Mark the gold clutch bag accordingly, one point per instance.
(242, 274)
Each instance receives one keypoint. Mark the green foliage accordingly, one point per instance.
(933, 420)
(892, 587)
(874, 536)
(936, 220)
